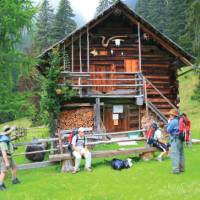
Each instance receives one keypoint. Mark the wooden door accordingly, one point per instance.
(131, 65)
(128, 120)
(102, 78)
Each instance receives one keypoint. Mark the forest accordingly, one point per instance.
(27, 30)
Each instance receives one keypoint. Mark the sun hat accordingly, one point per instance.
(6, 130)
(173, 112)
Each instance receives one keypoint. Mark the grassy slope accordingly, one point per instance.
(192, 108)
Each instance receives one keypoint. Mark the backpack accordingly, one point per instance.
(119, 164)
(184, 128)
(70, 138)
(4, 138)
(150, 133)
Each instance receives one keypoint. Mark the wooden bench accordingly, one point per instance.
(67, 160)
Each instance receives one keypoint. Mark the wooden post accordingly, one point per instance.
(64, 61)
(145, 96)
(80, 62)
(60, 142)
(88, 50)
(72, 55)
(139, 46)
(88, 58)
(98, 115)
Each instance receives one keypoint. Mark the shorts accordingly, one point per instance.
(3, 165)
(162, 147)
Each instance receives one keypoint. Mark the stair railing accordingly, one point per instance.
(146, 81)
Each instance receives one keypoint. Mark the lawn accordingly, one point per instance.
(144, 181)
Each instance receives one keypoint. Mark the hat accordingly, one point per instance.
(6, 130)
(81, 129)
(173, 112)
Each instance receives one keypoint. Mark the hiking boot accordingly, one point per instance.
(176, 173)
(88, 169)
(2, 187)
(15, 181)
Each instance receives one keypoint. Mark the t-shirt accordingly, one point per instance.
(80, 143)
(158, 135)
(4, 146)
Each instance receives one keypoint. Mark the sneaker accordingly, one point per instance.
(88, 169)
(2, 187)
(15, 181)
(159, 159)
(74, 171)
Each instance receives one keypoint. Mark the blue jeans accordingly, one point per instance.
(177, 155)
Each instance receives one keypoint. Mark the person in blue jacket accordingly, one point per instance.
(177, 150)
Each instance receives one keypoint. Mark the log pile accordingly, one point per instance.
(80, 117)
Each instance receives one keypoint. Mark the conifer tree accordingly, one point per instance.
(176, 20)
(168, 16)
(15, 17)
(142, 8)
(43, 38)
(63, 22)
(103, 4)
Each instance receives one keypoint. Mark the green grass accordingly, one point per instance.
(144, 181)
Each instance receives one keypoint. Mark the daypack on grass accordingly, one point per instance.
(184, 128)
(150, 133)
(119, 164)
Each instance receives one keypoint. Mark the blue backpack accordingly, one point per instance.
(119, 164)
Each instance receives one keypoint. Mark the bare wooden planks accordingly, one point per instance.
(105, 153)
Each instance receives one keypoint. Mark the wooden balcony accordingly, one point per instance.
(105, 84)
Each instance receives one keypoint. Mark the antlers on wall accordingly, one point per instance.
(106, 43)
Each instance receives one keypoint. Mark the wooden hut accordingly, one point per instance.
(122, 69)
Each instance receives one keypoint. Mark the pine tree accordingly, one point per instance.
(158, 14)
(142, 8)
(15, 17)
(43, 38)
(176, 20)
(168, 16)
(103, 4)
(193, 25)
(64, 22)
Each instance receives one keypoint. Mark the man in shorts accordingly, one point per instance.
(6, 160)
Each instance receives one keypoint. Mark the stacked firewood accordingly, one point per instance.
(80, 117)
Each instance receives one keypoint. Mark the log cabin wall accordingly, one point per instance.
(157, 65)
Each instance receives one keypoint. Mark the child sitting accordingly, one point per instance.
(160, 141)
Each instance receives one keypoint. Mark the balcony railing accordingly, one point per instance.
(105, 84)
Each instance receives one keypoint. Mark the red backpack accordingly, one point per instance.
(184, 128)
(150, 133)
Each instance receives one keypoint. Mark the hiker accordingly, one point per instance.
(146, 123)
(79, 146)
(160, 141)
(6, 160)
(177, 151)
